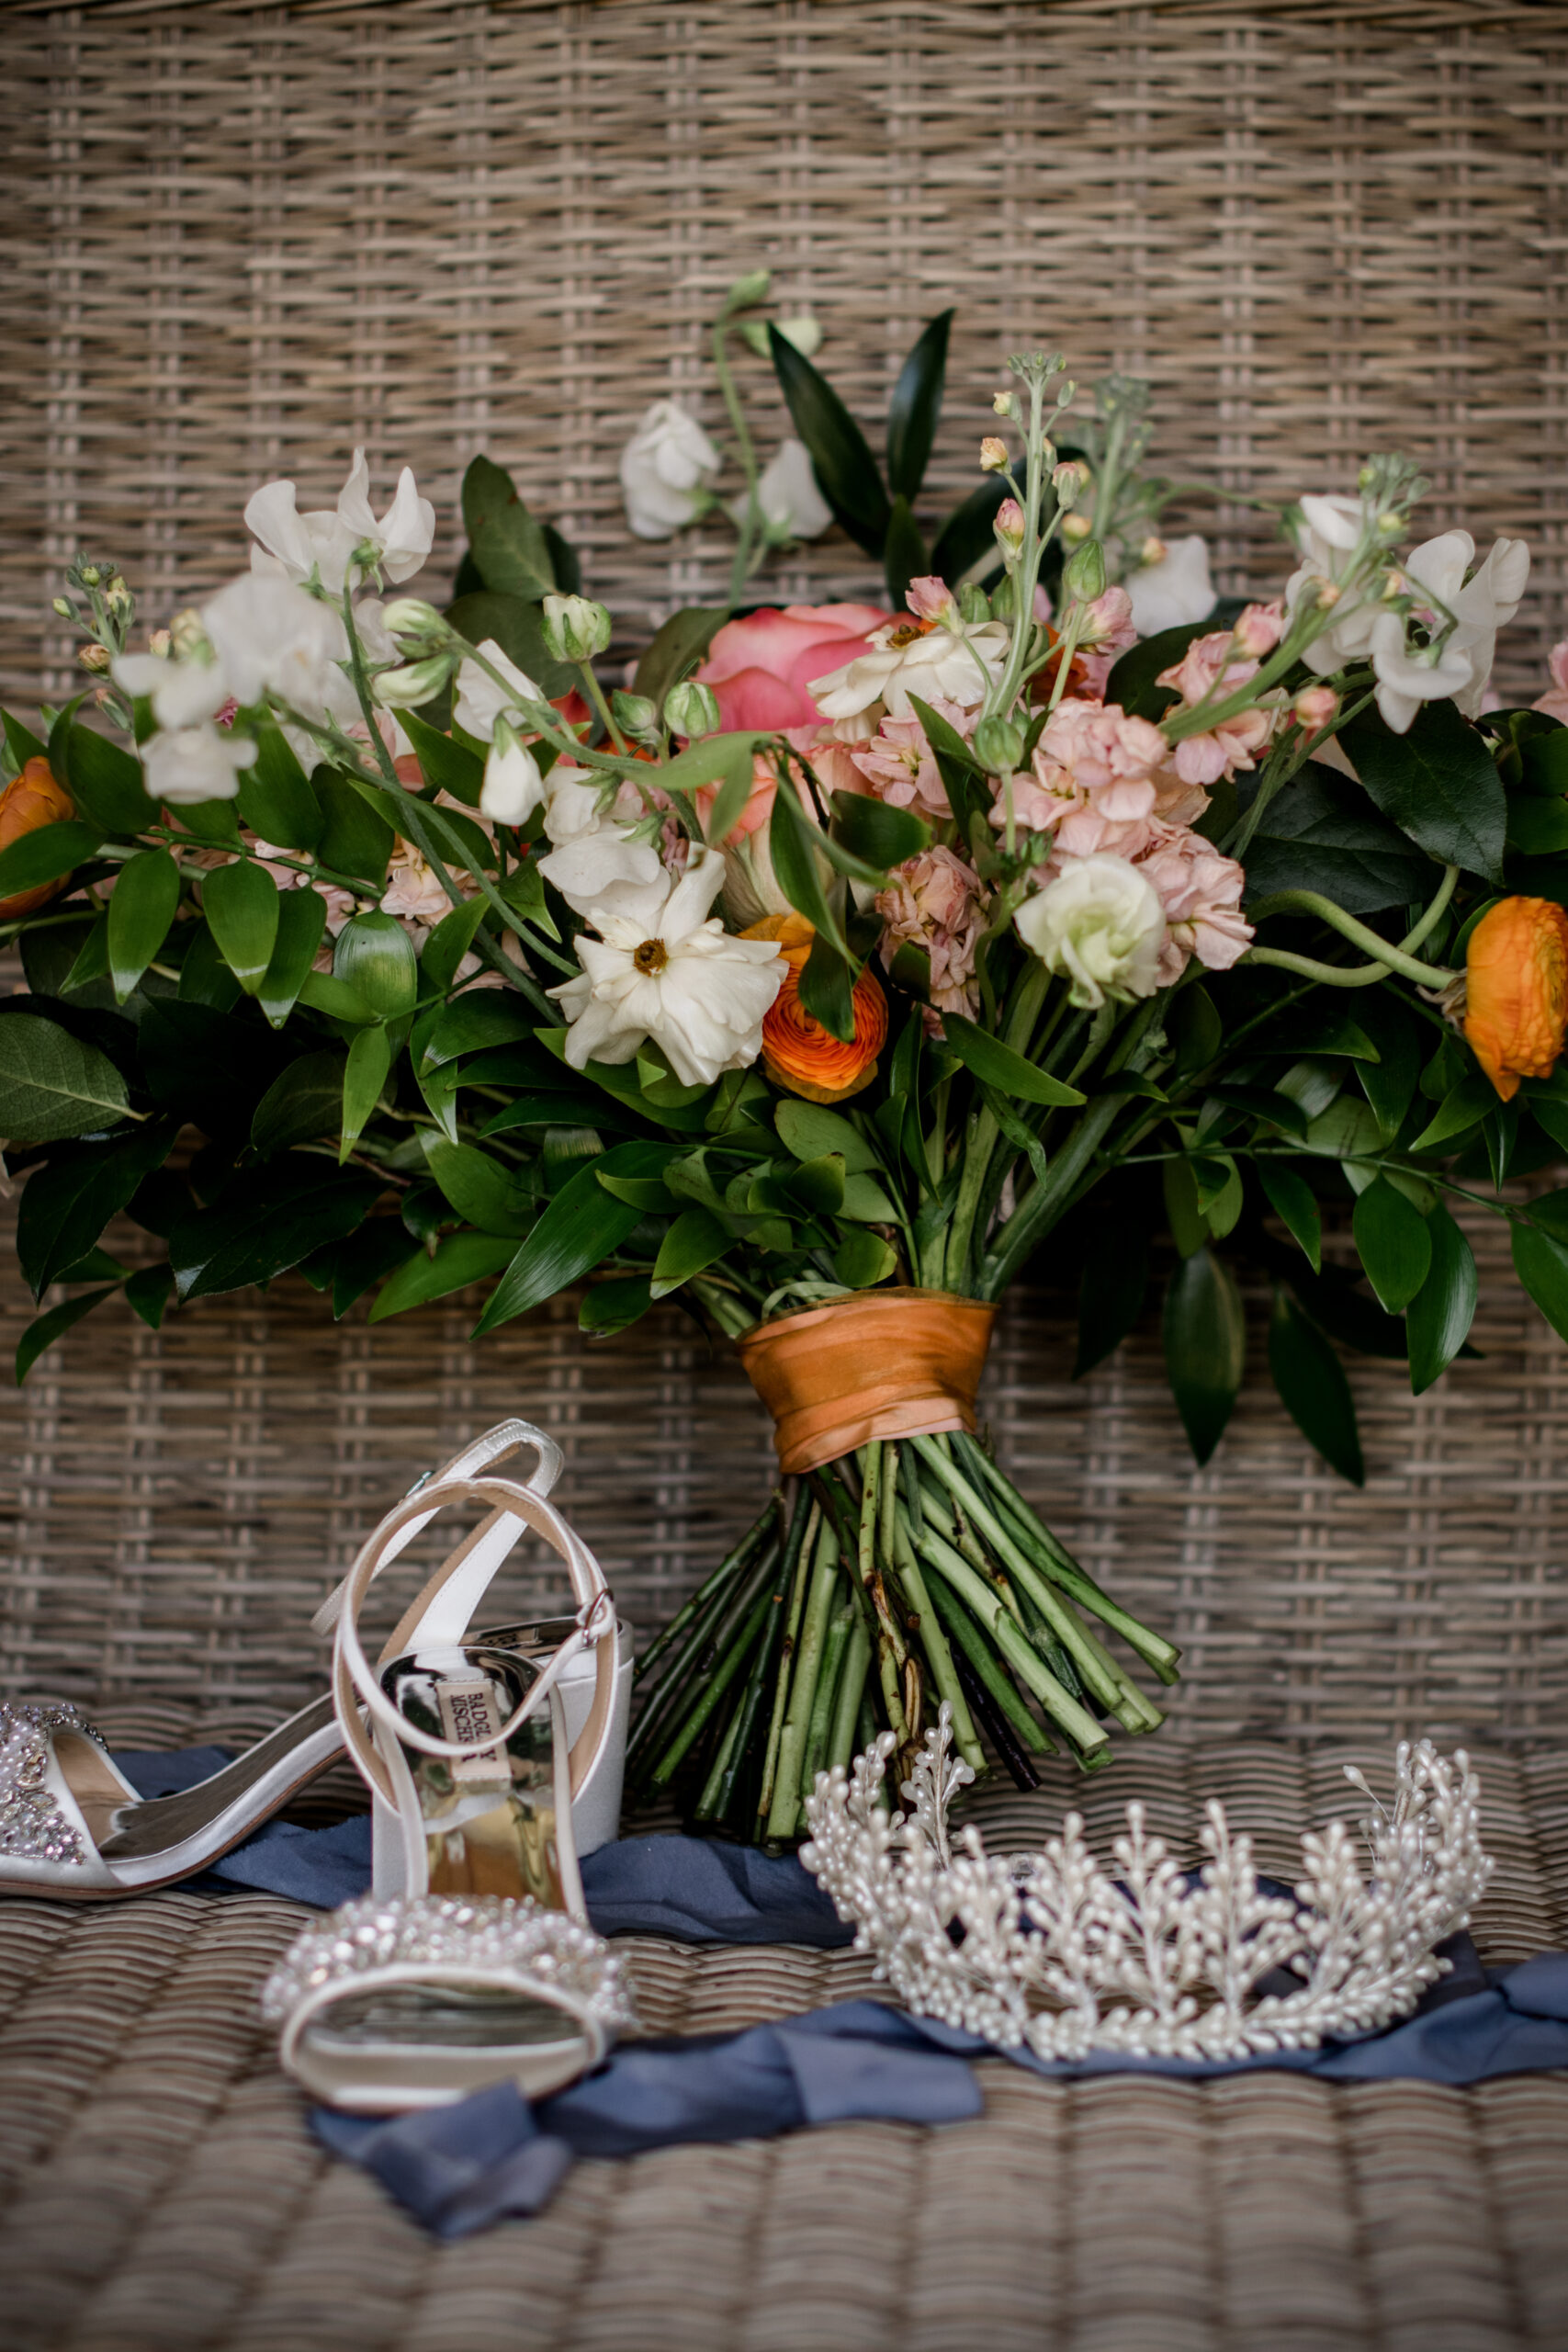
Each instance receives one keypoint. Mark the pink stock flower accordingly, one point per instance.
(1092, 761)
(935, 902)
(1258, 630)
(1207, 669)
(898, 764)
(1554, 702)
(759, 666)
(1106, 631)
(930, 600)
(1201, 892)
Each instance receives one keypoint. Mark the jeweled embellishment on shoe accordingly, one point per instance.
(33, 1827)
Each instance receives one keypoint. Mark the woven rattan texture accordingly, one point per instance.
(173, 1506)
(241, 237)
(135, 2086)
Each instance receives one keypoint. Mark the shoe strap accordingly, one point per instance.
(356, 1683)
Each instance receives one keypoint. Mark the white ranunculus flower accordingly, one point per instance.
(324, 540)
(1407, 676)
(513, 787)
(663, 967)
(787, 494)
(665, 470)
(270, 636)
(181, 693)
(1175, 590)
(184, 764)
(954, 662)
(480, 701)
(1099, 926)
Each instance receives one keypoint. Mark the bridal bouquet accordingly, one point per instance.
(847, 963)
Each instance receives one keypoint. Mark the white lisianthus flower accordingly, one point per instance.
(1099, 926)
(513, 786)
(949, 660)
(181, 693)
(787, 495)
(666, 468)
(183, 765)
(663, 968)
(325, 541)
(1173, 590)
(480, 701)
(271, 638)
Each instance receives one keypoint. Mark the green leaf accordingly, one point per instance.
(266, 1221)
(793, 845)
(1263, 1103)
(446, 767)
(516, 625)
(968, 789)
(488, 490)
(374, 955)
(91, 966)
(1214, 1176)
(240, 903)
(861, 1259)
(905, 555)
(1311, 1381)
(305, 1101)
(1112, 1290)
(66, 1206)
(275, 798)
(1347, 1315)
(205, 979)
(845, 469)
(997, 1065)
(1394, 1244)
(448, 944)
(1537, 826)
(966, 538)
(363, 1258)
(867, 1203)
(1189, 1228)
(477, 1019)
(148, 1294)
(459, 1260)
(21, 743)
(809, 1130)
(818, 1184)
(53, 1325)
(615, 1306)
(1323, 833)
(1551, 1211)
(1132, 675)
(581, 1227)
(1294, 1202)
(481, 1191)
(1437, 783)
(45, 855)
(355, 838)
(211, 822)
(1196, 1030)
(1316, 1029)
(915, 409)
(1205, 1348)
(1389, 1082)
(51, 1084)
(1469, 1102)
(146, 894)
(695, 1240)
(876, 832)
(365, 1074)
(649, 1195)
(207, 1065)
(510, 549)
(106, 782)
(677, 648)
(1440, 1316)
(1541, 1264)
(1347, 1131)
(323, 993)
(301, 920)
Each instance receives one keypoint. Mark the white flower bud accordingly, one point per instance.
(1004, 404)
(417, 683)
(1069, 481)
(1100, 925)
(94, 656)
(513, 786)
(691, 710)
(993, 454)
(412, 617)
(1075, 528)
(575, 628)
(751, 288)
(636, 716)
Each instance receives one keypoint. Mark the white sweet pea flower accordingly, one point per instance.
(1409, 676)
(1173, 590)
(183, 765)
(940, 656)
(1332, 526)
(666, 468)
(323, 541)
(270, 636)
(1479, 606)
(595, 861)
(1099, 926)
(787, 495)
(181, 693)
(480, 701)
(513, 787)
(663, 967)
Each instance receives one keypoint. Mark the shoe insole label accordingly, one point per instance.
(470, 1716)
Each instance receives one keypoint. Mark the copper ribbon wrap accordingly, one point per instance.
(887, 1363)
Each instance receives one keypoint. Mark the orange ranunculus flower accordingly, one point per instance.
(797, 1052)
(1517, 990)
(29, 801)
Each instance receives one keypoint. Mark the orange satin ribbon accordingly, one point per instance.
(887, 1363)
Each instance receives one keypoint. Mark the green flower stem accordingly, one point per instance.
(799, 1555)
(758, 1682)
(978, 1145)
(933, 1641)
(939, 1514)
(988, 1670)
(708, 1644)
(724, 1674)
(852, 1690)
(728, 1566)
(1395, 959)
(824, 1710)
(785, 1810)
(596, 696)
(1079, 1726)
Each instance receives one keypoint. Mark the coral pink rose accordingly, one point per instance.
(759, 666)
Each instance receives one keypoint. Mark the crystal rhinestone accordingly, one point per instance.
(33, 1827)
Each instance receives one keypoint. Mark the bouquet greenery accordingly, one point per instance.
(845, 964)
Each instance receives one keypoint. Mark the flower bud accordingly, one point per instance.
(1394, 586)
(575, 628)
(1075, 528)
(1315, 707)
(804, 333)
(751, 287)
(974, 604)
(411, 617)
(998, 745)
(1004, 403)
(118, 599)
(160, 643)
(1256, 633)
(1069, 481)
(636, 717)
(64, 606)
(418, 682)
(1002, 600)
(1008, 525)
(1328, 595)
(1154, 550)
(186, 635)
(1390, 526)
(513, 786)
(89, 575)
(993, 454)
(691, 710)
(1083, 574)
(31, 801)
(94, 656)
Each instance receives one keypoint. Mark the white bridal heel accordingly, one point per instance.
(472, 1961)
